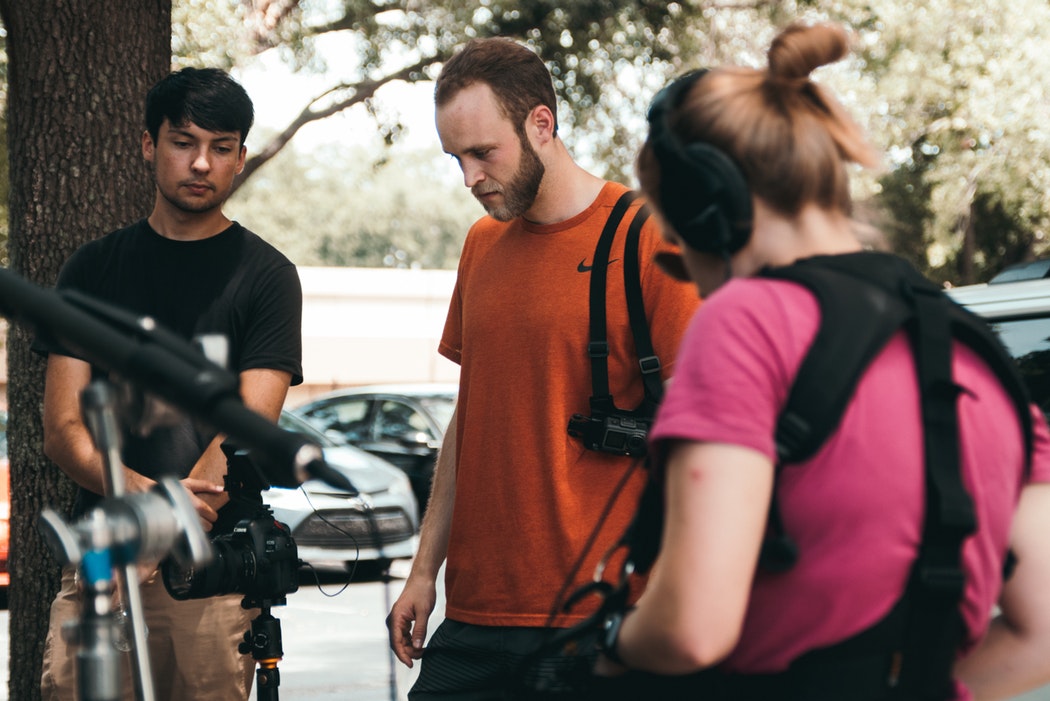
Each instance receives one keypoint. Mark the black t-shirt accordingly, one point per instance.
(233, 283)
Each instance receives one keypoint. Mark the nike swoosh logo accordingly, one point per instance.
(583, 268)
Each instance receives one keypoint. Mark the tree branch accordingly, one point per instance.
(361, 92)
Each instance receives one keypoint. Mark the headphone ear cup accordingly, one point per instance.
(719, 222)
(703, 194)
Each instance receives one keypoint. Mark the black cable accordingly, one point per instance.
(369, 512)
(560, 599)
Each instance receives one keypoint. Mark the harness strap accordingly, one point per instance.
(598, 347)
(648, 362)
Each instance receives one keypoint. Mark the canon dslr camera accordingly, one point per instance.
(617, 432)
(255, 554)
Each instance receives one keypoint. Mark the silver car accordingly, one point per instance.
(401, 423)
(334, 528)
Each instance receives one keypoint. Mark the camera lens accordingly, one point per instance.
(636, 445)
(232, 567)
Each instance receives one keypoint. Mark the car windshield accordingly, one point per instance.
(291, 422)
(440, 407)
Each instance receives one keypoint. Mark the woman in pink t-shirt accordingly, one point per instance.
(747, 169)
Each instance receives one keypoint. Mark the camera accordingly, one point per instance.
(617, 432)
(255, 554)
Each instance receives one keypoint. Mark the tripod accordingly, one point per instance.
(263, 642)
(109, 541)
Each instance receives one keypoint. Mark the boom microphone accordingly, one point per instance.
(142, 352)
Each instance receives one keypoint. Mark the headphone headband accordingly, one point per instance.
(703, 194)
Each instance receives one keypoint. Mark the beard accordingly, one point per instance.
(521, 191)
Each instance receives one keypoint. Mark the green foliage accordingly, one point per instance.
(209, 33)
(359, 207)
(957, 79)
(607, 58)
(999, 235)
(947, 80)
(904, 206)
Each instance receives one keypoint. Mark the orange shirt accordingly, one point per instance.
(528, 495)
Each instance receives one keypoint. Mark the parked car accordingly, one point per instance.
(403, 424)
(332, 527)
(1017, 305)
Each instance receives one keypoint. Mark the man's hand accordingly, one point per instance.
(408, 618)
(206, 498)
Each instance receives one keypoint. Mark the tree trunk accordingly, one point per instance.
(78, 73)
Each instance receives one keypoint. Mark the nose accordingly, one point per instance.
(201, 163)
(472, 174)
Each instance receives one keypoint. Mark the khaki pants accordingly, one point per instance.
(192, 646)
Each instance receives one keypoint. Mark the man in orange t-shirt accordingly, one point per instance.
(515, 498)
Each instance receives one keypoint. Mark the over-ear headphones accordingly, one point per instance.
(703, 194)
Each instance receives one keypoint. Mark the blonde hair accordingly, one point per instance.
(790, 138)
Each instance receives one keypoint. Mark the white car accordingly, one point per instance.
(1016, 303)
(334, 528)
(402, 423)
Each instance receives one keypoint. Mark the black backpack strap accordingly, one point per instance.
(974, 331)
(648, 362)
(873, 309)
(828, 375)
(834, 364)
(935, 627)
(598, 347)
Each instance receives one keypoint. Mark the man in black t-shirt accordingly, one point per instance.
(195, 272)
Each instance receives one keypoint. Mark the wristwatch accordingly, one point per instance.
(610, 633)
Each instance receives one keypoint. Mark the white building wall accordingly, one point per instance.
(364, 325)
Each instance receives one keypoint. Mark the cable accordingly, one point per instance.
(560, 599)
(369, 512)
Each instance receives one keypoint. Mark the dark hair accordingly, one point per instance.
(208, 97)
(789, 136)
(516, 75)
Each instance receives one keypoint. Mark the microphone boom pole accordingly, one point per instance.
(142, 352)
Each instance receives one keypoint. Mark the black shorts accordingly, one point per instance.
(464, 662)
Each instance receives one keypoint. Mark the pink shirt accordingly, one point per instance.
(855, 509)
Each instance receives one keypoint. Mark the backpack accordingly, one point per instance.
(865, 298)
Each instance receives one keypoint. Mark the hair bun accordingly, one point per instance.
(801, 48)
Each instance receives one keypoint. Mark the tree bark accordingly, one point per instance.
(78, 74)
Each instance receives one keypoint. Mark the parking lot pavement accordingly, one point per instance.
(335, 645)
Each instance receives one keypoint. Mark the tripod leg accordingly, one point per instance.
(267, 679)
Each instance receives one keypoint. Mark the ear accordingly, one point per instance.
(240, 160)
(147, 146)
(542, 123)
